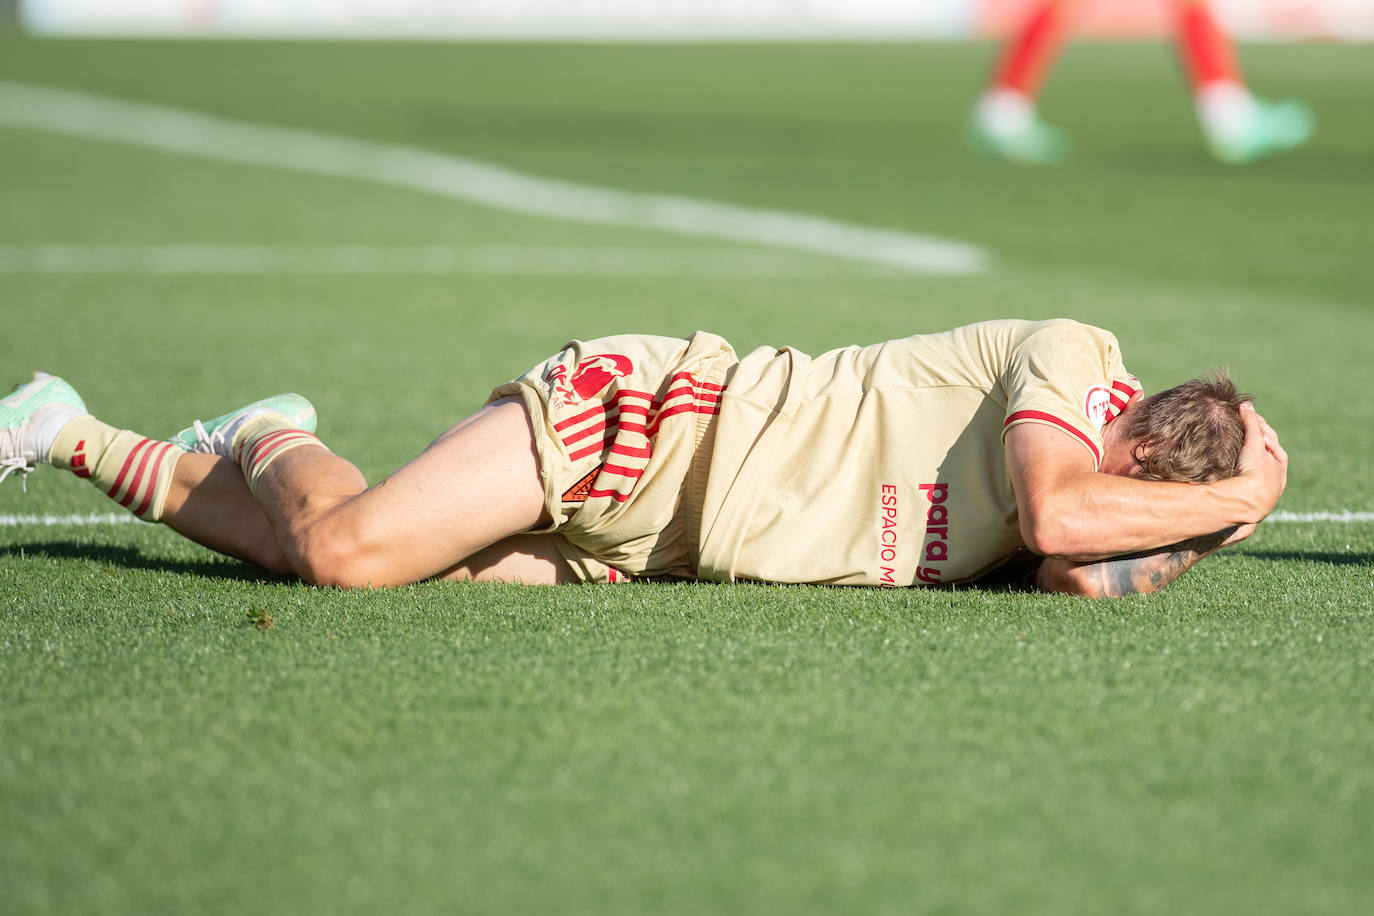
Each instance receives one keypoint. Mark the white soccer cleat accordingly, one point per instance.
(1242, 128)
(31, 416)
(1006, 124)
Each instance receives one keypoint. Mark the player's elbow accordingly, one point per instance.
(1046, 532)
(1053, 525)
(1039, 539)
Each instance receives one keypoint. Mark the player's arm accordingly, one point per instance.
(1068, 510)
(1137, 574)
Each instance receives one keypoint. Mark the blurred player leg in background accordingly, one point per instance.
(1238, 127)
(1006, 122)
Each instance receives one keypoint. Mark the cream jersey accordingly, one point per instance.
(885, 465)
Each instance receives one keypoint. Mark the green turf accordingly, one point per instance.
(685, 748)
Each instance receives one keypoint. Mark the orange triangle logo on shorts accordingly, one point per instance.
(580, 491)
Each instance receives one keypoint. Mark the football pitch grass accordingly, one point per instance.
(183, 733)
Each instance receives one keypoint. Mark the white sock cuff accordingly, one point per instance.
(1005, 111)
(1225, 108)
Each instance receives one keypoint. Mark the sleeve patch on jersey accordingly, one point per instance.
(1096, 404)
(1122, 392)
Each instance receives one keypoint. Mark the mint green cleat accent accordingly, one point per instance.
(30, 418)
(216, 437)
(1276, 128)
(1037, 143)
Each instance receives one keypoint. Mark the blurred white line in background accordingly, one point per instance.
(194, 134)
(422, 260)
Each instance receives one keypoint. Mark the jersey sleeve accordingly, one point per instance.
(1069, 376)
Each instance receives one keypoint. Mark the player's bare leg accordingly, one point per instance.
(529, 558)
(450, 512)
(313, 499)
(204, 497)
(209, 502)
(475, 486)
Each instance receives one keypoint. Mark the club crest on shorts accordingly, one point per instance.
(581, 491)
(588, 378)
(1096, 404)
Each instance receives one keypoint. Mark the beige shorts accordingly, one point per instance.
(623, 427)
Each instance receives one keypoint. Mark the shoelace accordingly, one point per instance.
(9, 442)
(206, 441)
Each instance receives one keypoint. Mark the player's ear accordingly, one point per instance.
(1140, 453)
(1139, 450)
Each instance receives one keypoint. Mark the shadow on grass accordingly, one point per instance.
(1313, 556)
(130, 558)
(1012, 576)
(1015, 575)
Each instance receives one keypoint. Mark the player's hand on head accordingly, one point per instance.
(1271, 438)
(1263, 462)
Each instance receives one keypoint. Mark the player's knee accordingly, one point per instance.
(273, 558)
(339, 555)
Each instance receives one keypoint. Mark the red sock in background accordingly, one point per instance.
(1030, 51)
(1205, 47)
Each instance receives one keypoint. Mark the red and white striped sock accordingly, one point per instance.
(263, 440)
(133, 470)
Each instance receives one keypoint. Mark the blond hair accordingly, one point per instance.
(1192, 432)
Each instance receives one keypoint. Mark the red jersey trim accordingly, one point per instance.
(1024, 415)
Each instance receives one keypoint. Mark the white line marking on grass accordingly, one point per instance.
(121, 518)
(66, 521)
(435, 260)
(1309, 517)
(191, 133)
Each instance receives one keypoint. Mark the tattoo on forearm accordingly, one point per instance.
(1143, 573)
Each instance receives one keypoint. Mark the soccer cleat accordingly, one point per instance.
(1272, 128)
(1005, 124)
(216, 437)
(31, 416)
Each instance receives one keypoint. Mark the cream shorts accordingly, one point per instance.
(624, 428)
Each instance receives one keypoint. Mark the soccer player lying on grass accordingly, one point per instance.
(922, 461)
